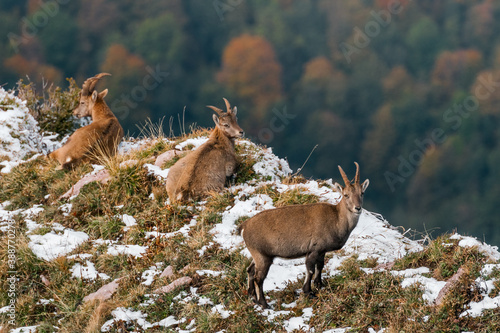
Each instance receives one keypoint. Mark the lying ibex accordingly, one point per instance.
(207, 168)
(102, 136)
(301, 230)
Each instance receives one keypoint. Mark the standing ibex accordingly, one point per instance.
(207, 168)
(301, 230)
(102, 136)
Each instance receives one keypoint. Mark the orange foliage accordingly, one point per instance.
(485, 89)
(33, 69)
(250, 69)
(454, 68)
(380, 139)
(319, 69)
(480, 21)
(120, 60)
(397, 83)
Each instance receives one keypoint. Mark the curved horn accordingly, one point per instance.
(89, 84)
(344, 177)
(228, 106)
(356, 178)
(217, 110)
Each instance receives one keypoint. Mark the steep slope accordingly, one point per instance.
(152, 266)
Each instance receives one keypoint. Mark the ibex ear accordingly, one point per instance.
(337, 188)
(103, 93)
(234, 111)
(216, 119)
(94, 96)
(365, 185)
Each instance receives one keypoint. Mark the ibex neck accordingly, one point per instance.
(221, 138)
(101, 111)
(347, 217)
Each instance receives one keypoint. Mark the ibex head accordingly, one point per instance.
(353, 192)
(89, 96)
(227, 121)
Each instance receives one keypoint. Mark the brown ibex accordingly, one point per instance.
(301, 230)
(102, 136)
(207, 168)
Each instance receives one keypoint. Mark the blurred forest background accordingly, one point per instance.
(409, 89)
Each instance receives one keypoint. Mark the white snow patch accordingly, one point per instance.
(220, 309)
(270, 165)
(131, 250)
(489, 268)
(184, 230)
(284, 271)
(299, 323)
(430, 286)
(87, 272)
(25, 329)
(156, 171)
(44, 301)
(129, 316)
(224, 232)
(208, 272)
(19, 132)
(66, 208)
(490, 251)
(53, 245)
(411, 272)
(80, 256)
(374, 237)
(128, 220)
(149, 274)
(486, 286)
(196, 142)
(477, 308)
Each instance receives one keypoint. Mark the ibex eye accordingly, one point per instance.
(226, 125)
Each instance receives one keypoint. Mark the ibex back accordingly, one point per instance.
(102, 136)
(301, 230)
(207, 168)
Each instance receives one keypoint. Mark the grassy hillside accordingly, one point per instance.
(67, 248)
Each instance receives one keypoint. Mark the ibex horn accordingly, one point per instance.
(89, 85)
(356, 178)
(219, 111)
(344, 177)
(228, 106)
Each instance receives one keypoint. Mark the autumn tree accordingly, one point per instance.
(485, 89)
(479, 27)
(34, 70)
(250, 69)
(128, 96)
(455, 69)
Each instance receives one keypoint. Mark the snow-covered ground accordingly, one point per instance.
(373, 237)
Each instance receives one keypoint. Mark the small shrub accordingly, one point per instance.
(51, 106)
